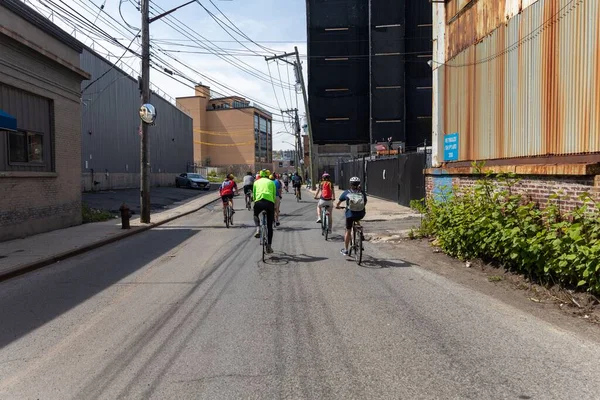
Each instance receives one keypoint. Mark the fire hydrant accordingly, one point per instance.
(125, 216)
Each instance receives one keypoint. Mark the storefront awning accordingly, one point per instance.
(7, 122)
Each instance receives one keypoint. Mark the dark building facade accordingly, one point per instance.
(368, 77)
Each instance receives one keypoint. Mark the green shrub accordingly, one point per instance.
(93, 215)
(491, 222)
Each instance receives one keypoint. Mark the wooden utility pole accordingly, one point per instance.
(313, 169)
(145, 96)
(300, 79)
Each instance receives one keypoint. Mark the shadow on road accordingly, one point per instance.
(32, 300)
(374, 263)
(281, 258)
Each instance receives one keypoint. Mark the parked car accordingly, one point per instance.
(192, 181)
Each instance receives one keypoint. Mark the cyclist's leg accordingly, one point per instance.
(347, 235)
(270, 207)
(224, 200)
(258, 207)
(319, 210)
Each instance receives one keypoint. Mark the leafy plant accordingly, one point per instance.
(492, 222)
(94, 215)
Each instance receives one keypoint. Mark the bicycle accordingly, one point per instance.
(249, 201)
(356, 240)
(325, 221)
(228, 214)
(356, 244)
(264, 232)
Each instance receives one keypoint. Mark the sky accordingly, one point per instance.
(275, 25)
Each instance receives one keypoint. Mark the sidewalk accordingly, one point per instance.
(22, 255)
(385, 220)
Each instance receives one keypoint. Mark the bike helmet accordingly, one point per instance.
(325, 175)
(355, 180)
(264, 174)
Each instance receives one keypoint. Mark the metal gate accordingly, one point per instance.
(349, 169)
(398, 179)
(382, 178)
(411, 182)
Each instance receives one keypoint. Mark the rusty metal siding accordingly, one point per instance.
(110, 124)
(531, 87)
(469, 21)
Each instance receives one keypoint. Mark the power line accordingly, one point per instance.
(282, 91)
(220, 23)
(187, 31)
(87, 24)
(223, 57)
(273, 86)
(123, 18)
(239, 30)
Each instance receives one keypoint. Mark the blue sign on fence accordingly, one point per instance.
(451, 147)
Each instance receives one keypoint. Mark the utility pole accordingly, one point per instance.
(145, 95)
(300, 78)
(313, 170)
(298, 143)
(300, 148)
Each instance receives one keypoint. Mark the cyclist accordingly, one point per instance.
(355, 200)
(264, 200)
(286, 181)
(248, 182)
(327, 195)
(297, 183)
(226, 191)
(278, 194)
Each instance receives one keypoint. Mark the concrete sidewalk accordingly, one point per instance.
(22, 255)
(385, 220)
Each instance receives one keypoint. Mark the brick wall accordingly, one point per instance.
(537, 188)
(35, 202)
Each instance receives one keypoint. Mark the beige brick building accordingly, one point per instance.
(229, 131)
(40, 82)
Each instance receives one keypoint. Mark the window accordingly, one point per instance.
(30, 148)
(25, 147)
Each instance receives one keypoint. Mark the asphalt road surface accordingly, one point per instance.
(188, 311)
(162, 197)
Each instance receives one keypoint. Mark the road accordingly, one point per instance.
(187, 311)
(162, 197)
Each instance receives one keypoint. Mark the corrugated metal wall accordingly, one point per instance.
(532, 87)
(110, 124)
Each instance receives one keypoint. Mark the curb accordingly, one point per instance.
(25, 268)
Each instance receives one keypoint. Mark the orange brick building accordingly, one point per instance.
(229, 131)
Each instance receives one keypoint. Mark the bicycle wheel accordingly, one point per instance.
(263, 237)
(326, 226)
(227, 216)
(359, 247)
(230, 215)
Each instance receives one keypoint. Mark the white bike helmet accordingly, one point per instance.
(355, 180)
